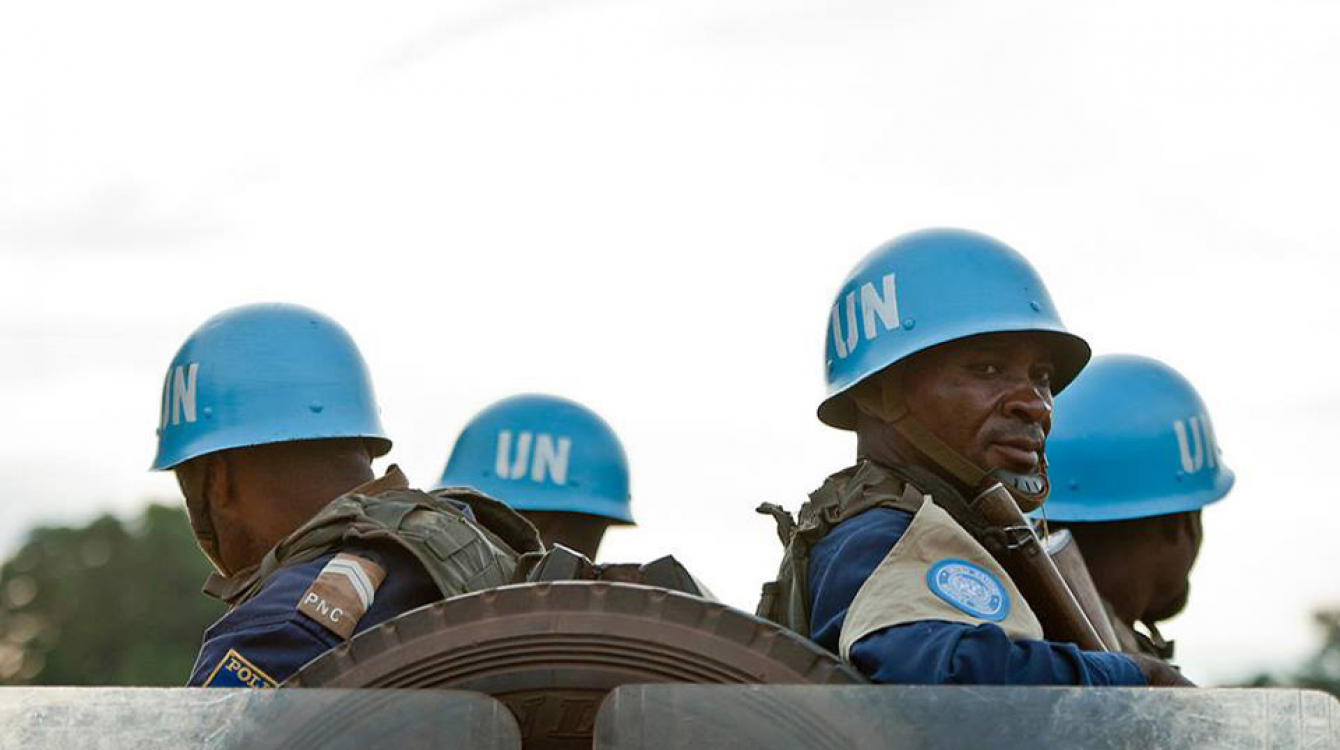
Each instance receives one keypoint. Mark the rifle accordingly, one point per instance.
(1069, 558)
(1022, 555)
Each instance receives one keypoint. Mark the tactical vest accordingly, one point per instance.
(847, 493)
(844, 495)
(458, 554)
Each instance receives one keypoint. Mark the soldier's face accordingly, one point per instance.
(221, 529)
(1178, 547)
(193, 479)
(988, 397)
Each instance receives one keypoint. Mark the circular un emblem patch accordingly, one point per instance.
(969, 588)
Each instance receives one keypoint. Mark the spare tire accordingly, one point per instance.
(551, 651)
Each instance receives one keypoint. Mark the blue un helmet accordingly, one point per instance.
(543, 453)
(1132, 438)
(928, 288)
(266, 373)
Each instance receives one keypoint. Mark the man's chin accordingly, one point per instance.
(1171, 608)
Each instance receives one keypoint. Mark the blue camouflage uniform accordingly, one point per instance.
(931, 651)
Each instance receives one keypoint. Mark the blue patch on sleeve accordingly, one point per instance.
(969, 589)
(233, 670)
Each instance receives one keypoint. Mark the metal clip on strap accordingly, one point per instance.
(1018, 537)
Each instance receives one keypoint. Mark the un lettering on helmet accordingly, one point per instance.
(872, 305)
(548, 460)
(539, 452)
(1195, 443)
(179, 395)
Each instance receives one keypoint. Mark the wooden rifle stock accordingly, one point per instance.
(1022, 555)
(1064, 550)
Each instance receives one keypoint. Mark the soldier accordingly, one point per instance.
(943, 353)
(1133, 460)
(554, 460)
(270, 425)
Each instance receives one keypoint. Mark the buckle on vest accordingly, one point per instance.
(1010, 537)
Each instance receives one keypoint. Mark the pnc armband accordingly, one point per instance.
(342, 593)
(233, 670)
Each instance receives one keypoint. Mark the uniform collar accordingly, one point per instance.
(865, 477)
(393, 479)
(229, 588)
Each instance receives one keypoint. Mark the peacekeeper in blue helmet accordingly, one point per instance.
(943, 352)
(1133, 459)
(553, 460)
(269, 423)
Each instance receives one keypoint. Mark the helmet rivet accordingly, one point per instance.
(208, 411)
(909, 323)
(1036, 307)
(1074, 484)
(1181, 475)
(316, 407)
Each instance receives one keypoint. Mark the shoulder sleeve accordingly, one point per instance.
(272, 635)
(842, 561)
(932, 651)
(942, 653)
(266, 639)
(257, 657)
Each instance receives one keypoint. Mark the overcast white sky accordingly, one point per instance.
(646, 206)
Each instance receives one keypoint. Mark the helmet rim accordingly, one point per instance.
(1072, 354)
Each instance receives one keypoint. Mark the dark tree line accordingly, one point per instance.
(1322, 671)
(110, 603)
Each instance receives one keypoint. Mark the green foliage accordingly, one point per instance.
(1321, 672)
(110, 603)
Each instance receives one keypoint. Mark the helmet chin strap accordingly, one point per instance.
(882, 397)
(1029, 490)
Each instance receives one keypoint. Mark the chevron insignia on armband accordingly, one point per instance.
(342, 593)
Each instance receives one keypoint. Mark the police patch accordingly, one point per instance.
(342, 593)
(969, 588)
(233, 670)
